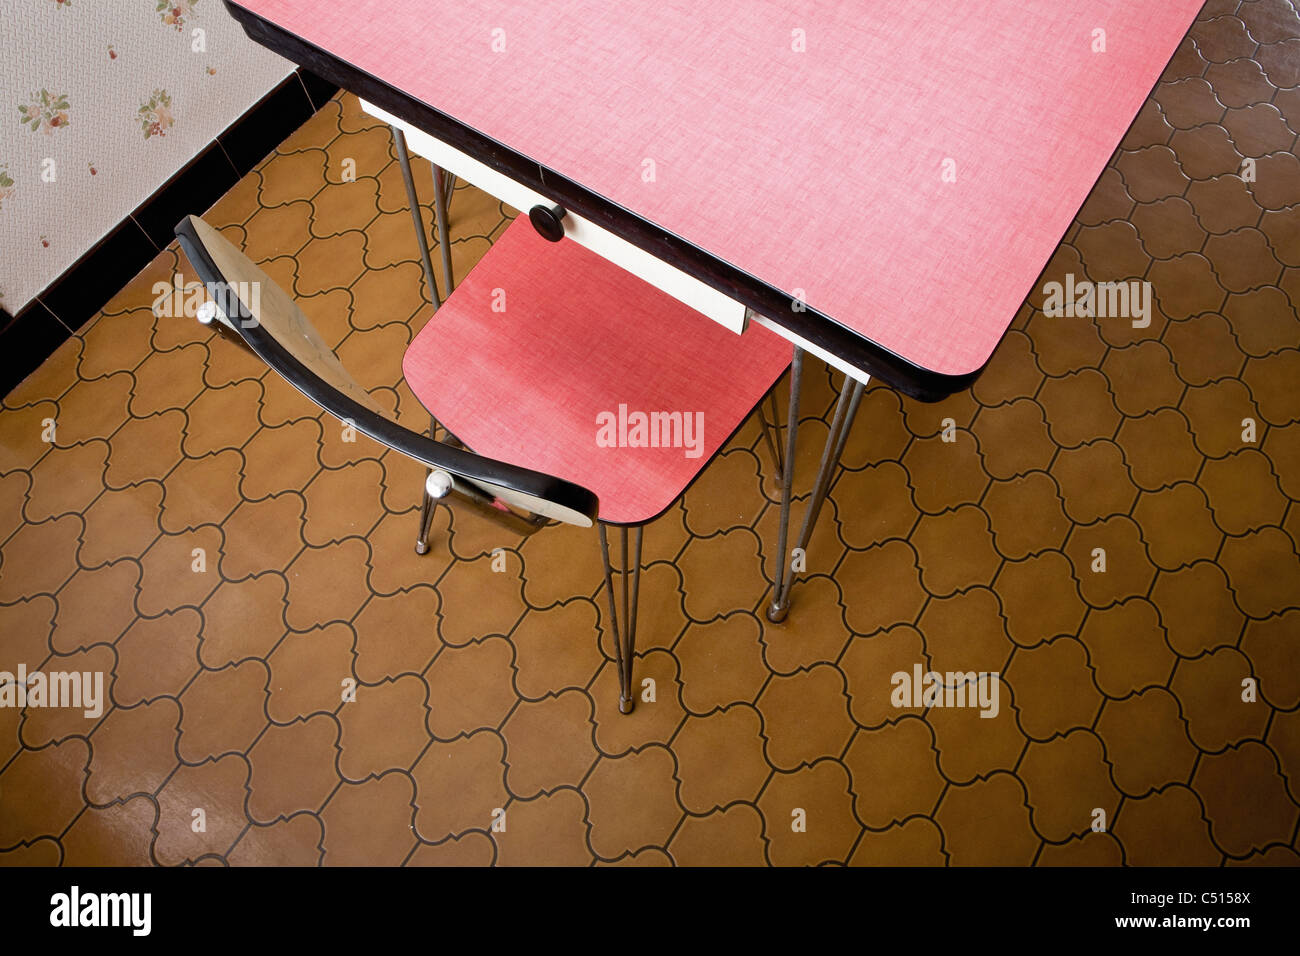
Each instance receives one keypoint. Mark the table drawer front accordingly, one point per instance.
(686, 289)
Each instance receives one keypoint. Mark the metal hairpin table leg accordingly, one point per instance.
(846, 409)
(413, 200)
(440, 196)
(778, 610)
(624, 638)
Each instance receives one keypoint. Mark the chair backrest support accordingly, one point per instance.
(250, 304)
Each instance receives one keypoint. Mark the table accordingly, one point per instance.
(880, 183)
(779, 131)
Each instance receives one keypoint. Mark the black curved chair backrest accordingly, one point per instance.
(252, 306)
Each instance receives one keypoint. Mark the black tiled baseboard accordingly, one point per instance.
(97, 276)
(263, 128)
(318, 90)
(29, 338)
(201, 183)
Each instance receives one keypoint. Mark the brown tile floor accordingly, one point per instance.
(1121, 690)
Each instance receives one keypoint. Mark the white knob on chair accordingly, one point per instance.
(436, 487)
(438, 484)
(207, 312)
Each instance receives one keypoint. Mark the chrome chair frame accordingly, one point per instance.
(624, 635)
(278, 332)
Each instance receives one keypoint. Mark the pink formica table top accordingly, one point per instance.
(905, 168)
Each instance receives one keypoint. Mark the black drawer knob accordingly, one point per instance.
(548, 221)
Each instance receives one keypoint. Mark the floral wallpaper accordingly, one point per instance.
(46, 112)
(102, 102)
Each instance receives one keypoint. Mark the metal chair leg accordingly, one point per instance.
(428, 500)
(426, 262)
(624, 637)
(846, 409)
(436, 487)
(426, 522)
(772, 433)
(776, 425)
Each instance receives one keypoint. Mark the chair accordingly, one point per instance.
(585, 394)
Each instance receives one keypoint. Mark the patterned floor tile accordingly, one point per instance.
(1103, 529)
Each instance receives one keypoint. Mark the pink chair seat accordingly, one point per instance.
(545, 354)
